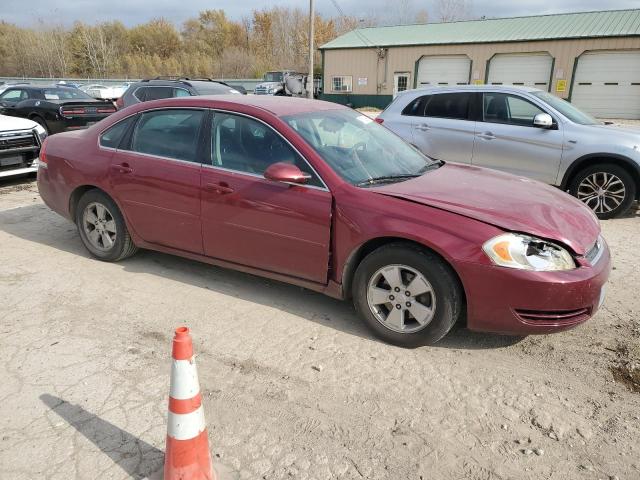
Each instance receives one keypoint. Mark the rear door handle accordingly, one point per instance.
(423, 127)
(222, 188)
(487, 136)
(122, 168)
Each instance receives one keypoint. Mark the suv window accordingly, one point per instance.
(111, 137)
(169, 133)
(14, 95)
(181, 92)
(416, 107)
(246, 145)
(509, 109)
(157, 93)
(449, 105)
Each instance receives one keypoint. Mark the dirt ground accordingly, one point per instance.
(293, 384)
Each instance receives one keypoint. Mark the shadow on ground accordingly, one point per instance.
(36, 223)
(135, 457)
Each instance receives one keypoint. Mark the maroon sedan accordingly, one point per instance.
(315, 194)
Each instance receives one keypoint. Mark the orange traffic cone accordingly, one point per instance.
(187, 455)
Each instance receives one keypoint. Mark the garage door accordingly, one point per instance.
(444, 70)
(530, 69)
(607, 84)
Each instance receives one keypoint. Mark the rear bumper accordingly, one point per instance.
(517, 302)
(21, 170)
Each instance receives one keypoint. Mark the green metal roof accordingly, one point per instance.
(612, 23)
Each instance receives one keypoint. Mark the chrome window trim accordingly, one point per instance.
(261, 177)
(231, 112)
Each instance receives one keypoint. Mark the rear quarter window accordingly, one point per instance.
(416, 107)
(112, 136)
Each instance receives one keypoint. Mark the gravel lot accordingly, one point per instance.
(293, 385)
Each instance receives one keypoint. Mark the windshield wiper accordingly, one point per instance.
(386, 179)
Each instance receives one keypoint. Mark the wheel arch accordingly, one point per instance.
(595, 158)
(360, 252)
(77, 194)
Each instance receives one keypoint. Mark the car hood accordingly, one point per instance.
(14, 123)
(615, 133)
(506, 201)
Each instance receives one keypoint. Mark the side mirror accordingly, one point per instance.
(543, 120)
(286, 173)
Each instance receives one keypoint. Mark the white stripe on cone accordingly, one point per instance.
(184, 379)
(185, 426)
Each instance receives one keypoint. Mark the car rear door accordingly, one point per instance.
(507, 140)
(252, 221)
(156, 177)
(446, 129)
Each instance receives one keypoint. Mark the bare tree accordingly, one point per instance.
(452, 10)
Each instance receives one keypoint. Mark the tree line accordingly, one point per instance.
(210, 45)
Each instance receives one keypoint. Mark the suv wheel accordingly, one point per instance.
(406, 295)
(607, 189)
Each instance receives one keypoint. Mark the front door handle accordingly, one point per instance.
(487, 136)
(122, 168)
(222, 188)
(423, 127)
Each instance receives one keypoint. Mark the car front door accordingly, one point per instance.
(156, 177)
(507, 140)
(9, 100)
(446, 130)
(252, 221)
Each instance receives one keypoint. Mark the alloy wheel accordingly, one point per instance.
(99, 226)
(401, 298)
(603, 192)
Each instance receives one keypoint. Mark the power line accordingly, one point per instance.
(357, 31)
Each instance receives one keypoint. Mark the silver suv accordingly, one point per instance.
(526, 132)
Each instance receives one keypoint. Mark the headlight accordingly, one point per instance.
(512, 250)
(42, 133)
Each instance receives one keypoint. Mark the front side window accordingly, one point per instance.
(341, 84)
(169, 133)
(112, 137)
(509, 109)
(245, 145)
(449, 105)
(359, 150)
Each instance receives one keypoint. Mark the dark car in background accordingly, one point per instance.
(55, 108)
(160, 88)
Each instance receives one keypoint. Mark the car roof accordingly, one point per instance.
(276, 105)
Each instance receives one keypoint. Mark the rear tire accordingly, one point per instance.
(391, 310)
(102, 227)
(609, 190)
(41, 121)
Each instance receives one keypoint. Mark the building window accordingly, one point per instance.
(341, 84)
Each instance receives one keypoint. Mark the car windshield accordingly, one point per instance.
(273, 77)
(65, 94)
(565, 108)
(358, 149)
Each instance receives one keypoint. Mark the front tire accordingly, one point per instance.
(609, 190)
(102, 227)
(406, 295)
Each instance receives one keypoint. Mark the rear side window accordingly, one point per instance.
(416, 107)
(156, 93)
(181, 92)
(449, 105)
(170, 133)
(112, 137)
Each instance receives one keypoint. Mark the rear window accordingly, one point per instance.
(65, 94)
(112, 137)
(449, 105)
(212, 89)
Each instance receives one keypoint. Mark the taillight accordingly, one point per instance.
(119, 103)
(72, 111)
(379, 120)
(106, 109)
(43, 156)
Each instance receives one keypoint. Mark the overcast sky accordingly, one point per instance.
(137, 11)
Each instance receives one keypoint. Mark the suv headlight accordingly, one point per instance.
(42, 133)
(523, 252)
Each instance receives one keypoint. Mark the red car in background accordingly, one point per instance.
(318, 195)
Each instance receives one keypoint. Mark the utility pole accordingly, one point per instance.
(310, 82)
